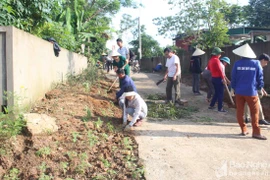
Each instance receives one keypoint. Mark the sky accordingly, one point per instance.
(151, 10)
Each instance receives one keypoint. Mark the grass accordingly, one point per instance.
(88, 115)
(203, 120)
(44, 152)
(156, 96)
(169, 111)
(75, 136)
(12, 123)
(13, 174)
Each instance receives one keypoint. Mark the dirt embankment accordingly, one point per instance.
(88, 145)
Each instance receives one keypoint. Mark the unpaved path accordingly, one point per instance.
(209, 148)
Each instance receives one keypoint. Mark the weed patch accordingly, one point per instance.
(156, 96)
(169, 111)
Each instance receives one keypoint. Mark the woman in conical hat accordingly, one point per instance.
(120, 62)
(195, 69)
(247, 83)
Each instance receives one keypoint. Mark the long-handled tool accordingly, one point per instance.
(112, 84)
(160, 81)
(227, 89)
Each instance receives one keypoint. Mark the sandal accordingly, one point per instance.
(260, 137)
(138, 123)
(244, 133)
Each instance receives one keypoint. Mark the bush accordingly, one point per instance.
(61, 34)
(11, 125)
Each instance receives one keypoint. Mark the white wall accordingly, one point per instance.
(32, 67)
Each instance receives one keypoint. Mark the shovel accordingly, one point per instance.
(112, 84)
(227, 89)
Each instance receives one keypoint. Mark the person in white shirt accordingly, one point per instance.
(132, 104)
(124, 51)
(173, 75)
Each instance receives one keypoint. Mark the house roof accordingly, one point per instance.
(247, 30)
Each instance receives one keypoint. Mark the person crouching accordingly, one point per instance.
(132, 104)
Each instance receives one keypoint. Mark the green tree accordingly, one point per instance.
(202, 19)
(71, 22)
(150, 47)
(258, 13)
(235, 15)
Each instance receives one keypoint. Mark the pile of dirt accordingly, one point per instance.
(89, 144)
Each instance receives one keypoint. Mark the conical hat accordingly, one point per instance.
(115, 53)
(103, 54)
(245, 51)
(198, 52)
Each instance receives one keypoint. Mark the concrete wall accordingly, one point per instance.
(32, 67)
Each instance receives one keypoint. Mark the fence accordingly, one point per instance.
(258, 48)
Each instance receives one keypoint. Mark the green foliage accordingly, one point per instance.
(64, 167)
(43, 176)
(92, 139)
(11, 125)
(88, 115)
(195, 16)
(12, 121)
(169, 111)
(71, 23)
(44, 152)
(61, 34)
(110, 127)
(98, 123)
(12, 175)
(156, 96)
(83, 165)
(235, 15)
(258, 13)
(127, 143)
(75, 136)
(150, 46)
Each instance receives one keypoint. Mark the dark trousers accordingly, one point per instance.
(219, 92)
(170, 84)
(109, 66)
(211, 89)
(196, 83)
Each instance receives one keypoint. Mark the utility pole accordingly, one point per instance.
(140, 38)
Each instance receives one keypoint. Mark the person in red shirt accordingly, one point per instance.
(218, 79)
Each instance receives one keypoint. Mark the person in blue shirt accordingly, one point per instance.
(264, 59)
(247, 83)
(158, 67)
(125, 82)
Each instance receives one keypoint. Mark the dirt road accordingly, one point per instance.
(203, 146)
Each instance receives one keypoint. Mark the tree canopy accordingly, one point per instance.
(195, 16)
(150, 47)
(71, 22)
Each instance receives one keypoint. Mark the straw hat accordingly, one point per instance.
(103, 54)
(245, 51)
(198, 52)
(115, 53)
(132, 93)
